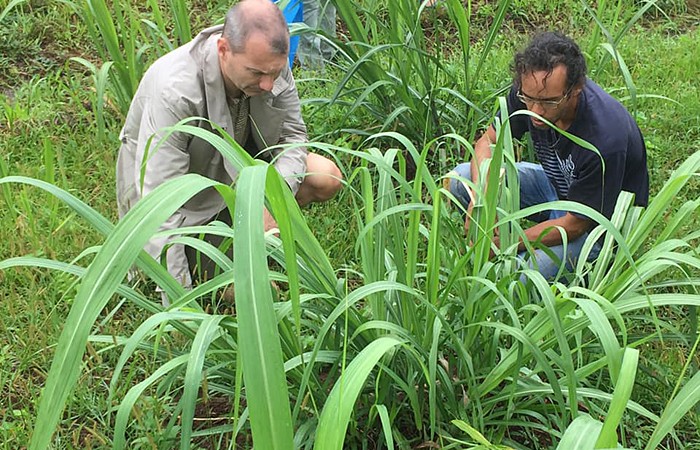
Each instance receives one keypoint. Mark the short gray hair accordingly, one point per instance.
(243, 20)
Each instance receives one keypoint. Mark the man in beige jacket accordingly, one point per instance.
(236, 76)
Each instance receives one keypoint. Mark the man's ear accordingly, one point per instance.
(222, 46)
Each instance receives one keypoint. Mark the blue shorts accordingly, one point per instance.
(535, 189)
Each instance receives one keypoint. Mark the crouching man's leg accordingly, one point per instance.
(558, 261)
(322, 182)
(535, 189)
(458, 187)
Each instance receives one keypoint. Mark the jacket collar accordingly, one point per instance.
(267, 119)
(205, 52)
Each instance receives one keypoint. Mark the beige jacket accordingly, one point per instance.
(186, 83)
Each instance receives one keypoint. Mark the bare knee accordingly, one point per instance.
(322, 182)
(328, 185)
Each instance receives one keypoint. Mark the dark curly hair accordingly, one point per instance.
(546, 51)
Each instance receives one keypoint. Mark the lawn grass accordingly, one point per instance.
(48, 131)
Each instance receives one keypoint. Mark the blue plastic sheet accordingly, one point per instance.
(293, 12)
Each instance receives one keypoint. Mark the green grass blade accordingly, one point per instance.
(562, 339)
(459, 16)
(9, 206)
(500, 16)
(258, 338)
(181, 15)
(647, 4)
(580, 434)
(386, 426)
(101, 280)
(336, 413)
(344, 305)
(347, 10)
(150, 267)
(621, 395)
(72, 269)
(432, 371)
(473, 433)
(589, 393)
(627, 76)
(208, 330)
(674, 411)
(606, 335)
(497, 376)
(10, 6)
(139, 336)
(656, 211)
(284, 207)
(133, 395)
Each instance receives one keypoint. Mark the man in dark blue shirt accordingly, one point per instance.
(550, 81)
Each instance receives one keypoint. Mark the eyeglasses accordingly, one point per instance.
(546, 104)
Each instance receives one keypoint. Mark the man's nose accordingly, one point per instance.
(537, 108)
(266, 83)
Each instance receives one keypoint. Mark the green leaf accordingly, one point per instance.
(208, 330)
(258, 337)
(675, 410)
(144, 262)
(335, 416)
(606, 335)
(133, 395)
(621, 395)
(581, 434)
(386, 426)
(139, 336)
(100, 282)
(10, 6)
(472, 432)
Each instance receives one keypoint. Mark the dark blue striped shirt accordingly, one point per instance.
(579, 174)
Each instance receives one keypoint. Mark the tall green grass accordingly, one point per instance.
(403, 78)
(127, 42)
(416, 338)
(425, 329)
(9, 7)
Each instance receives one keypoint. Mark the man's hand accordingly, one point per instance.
(548, 232)
(482, 151)
(269, 222)
(468, 216)
(496, 241)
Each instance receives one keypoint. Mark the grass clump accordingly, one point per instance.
(389, 331)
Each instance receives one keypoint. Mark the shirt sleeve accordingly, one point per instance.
(162, 158)
(290, 162)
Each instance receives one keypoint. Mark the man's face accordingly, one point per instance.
(252, 71)
(548, 96)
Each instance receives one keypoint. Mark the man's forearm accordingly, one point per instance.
(291, 165)
(551, 232)
(482, 151)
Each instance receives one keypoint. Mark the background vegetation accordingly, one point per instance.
(409, 337)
